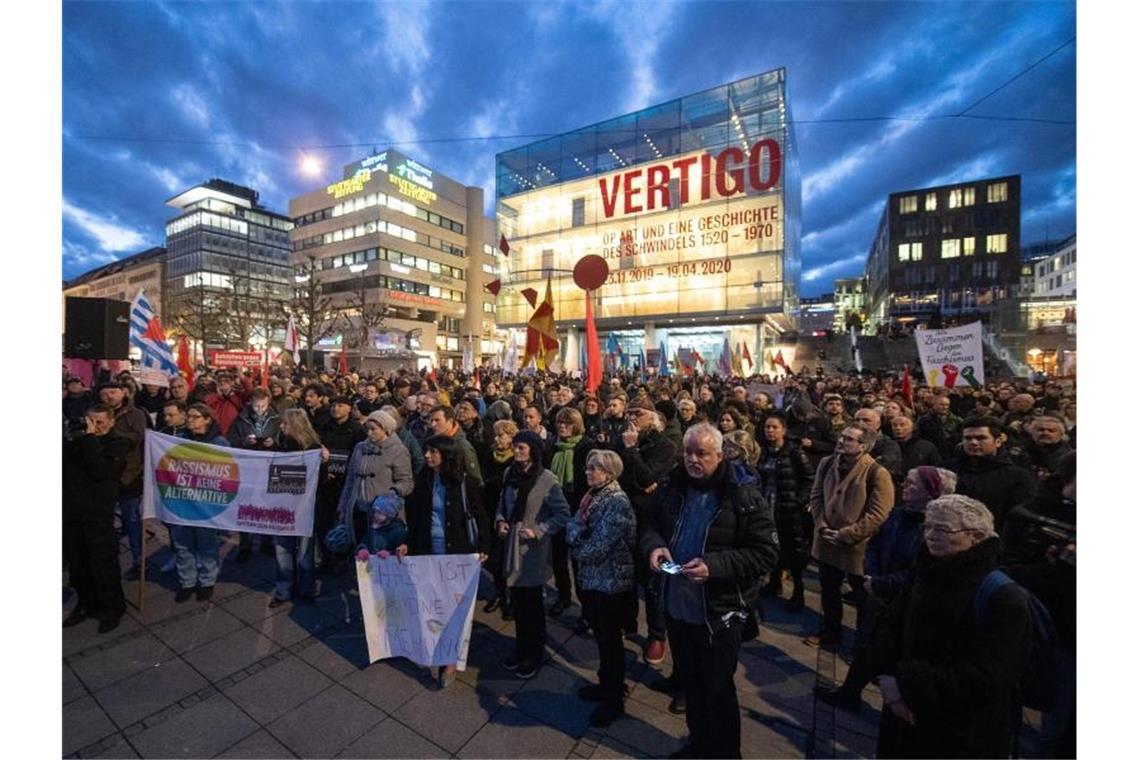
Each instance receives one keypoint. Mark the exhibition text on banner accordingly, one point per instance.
(952, 357)
(420, 607)
(208, 486)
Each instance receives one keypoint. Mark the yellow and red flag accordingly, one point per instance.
(541, 338)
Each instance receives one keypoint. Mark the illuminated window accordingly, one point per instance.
(908, 204)
(968, 246)
(954, 198)
(932, 201)
(996, 192)
(952, 248)
(997, 243)
(910, 252)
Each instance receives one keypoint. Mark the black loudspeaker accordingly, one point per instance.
(96, 328)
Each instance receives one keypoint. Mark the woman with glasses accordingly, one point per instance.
(886, 567)
(568, 463)
(196, 548)
(601, 536)
(949, 666)
(295, 554)
(445, 514)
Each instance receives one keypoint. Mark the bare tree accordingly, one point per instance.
(315, 316)
(361, 315)
(200, 315)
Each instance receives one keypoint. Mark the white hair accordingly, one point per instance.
(968, 513)
(707, 431)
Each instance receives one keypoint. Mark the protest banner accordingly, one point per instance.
(420, 608)
(207, 486)
(952, 357)
(236, 359)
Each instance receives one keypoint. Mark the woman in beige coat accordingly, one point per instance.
(851, 497)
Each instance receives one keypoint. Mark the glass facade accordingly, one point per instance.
(694, 204)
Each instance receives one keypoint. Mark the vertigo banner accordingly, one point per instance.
(208, 486)
(419, 607)
(952, 357)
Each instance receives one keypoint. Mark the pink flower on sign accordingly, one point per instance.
(362, 555)
(382, 554)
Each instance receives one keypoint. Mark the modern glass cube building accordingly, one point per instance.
(694, 204)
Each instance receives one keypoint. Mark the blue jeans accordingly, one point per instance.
(195, 555)
(132, 526)
(290, 549)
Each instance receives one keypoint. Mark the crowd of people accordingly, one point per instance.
(691, 498)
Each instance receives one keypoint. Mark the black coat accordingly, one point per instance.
(740, 544)
(92, 466)
(891, 551)
(643, 465)
(1024, 558)
(918, 452)
(957, 674)
(242, 428)
(793, 481)
(996, 482)
(418, 509)
(817, 429)
(887, 453)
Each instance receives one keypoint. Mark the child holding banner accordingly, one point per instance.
(445, 513)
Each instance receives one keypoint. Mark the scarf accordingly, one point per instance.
(503, 456)
(523, 482)
(562, 465)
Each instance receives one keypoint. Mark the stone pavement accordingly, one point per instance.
(233, 678)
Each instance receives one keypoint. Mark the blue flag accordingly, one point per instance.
(641, 355)
(663, 362)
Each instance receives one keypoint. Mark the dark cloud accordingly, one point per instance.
(245, 87)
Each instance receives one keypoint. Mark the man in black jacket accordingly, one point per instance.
(723, 537)
(646, 456)
(916, 451)
(986, 472)
(93, 462)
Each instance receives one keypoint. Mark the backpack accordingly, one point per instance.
(1037, 685)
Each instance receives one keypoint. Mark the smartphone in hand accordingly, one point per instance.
(670, 567)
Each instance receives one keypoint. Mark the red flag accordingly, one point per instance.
(506, 249)
(478, 380)
(593, 350)
(907, 390)
(531, 296)
(342, 366)
(779, 362)
(748, 357)
(264, 375)
(494, 286)
(184, 365)
(154, 331)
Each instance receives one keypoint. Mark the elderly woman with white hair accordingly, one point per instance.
(949, 667)
(379, 465)
(601, 538)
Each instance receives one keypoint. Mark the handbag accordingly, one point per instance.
(468, 518)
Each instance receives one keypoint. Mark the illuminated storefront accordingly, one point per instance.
(694, 204)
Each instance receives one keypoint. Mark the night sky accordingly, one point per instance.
(158, 97)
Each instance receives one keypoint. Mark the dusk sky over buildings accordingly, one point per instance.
(158, 97)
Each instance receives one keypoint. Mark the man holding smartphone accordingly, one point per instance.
(722, 536)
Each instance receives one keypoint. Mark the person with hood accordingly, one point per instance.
(295, 555)
(949, 675)
(378, 465)
(443, 499)
(886, 567)
(785, 481)
(92, 462)
(531, 508)
(196, 558)
(851, 497)
(986, 472)
(713, 541)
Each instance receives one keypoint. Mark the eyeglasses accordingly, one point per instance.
(195, 415)
(942, 530)
(849, 438)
